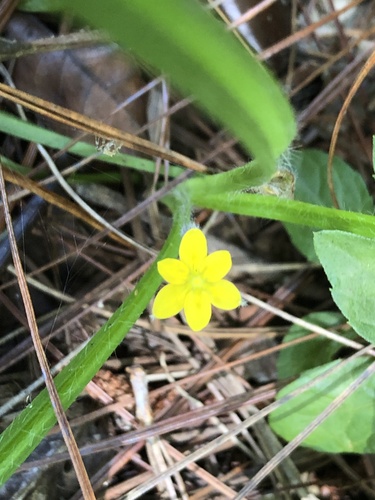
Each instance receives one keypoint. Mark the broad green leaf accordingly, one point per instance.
(183, 40)
(310, 168)
(312, 353)
(349, 429)
(348, 261)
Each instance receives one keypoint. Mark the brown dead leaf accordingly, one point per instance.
(92, 81)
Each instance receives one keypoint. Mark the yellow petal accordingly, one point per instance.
(225, 295)
(173, 271)
(169, 301)
(217, 265)
(197, 309)
(193, 249)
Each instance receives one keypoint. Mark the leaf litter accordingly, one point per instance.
(166, 391)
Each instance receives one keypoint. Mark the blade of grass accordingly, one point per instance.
(15, 126)
(95, 127)
(183, 40)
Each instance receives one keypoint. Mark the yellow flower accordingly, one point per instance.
(195, 282)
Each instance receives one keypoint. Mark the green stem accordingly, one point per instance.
(240, 178)
(33, 423)
(285, 210)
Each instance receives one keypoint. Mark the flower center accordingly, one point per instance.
(197, 281)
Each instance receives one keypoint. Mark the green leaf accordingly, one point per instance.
(310, 168)
(348, 261)
(298, 358)
(183, 40)
(349, 429)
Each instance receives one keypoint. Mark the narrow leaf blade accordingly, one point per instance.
(184, 41)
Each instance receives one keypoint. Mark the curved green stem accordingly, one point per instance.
(33, 423)
(240, 178)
